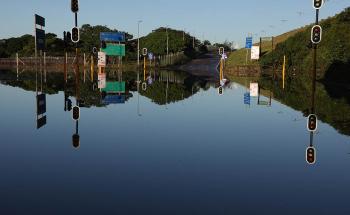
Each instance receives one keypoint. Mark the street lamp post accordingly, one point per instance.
(167, 41)
(138, 43)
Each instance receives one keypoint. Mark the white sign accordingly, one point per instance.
(254, 89)
(224, 56)
(255, 53)
(101, 59)
(101, 80)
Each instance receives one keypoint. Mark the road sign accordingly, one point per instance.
(150, 56)
(39, 20)
(255, 53)
(40, 122)
(316, 34)
(249, 42)
(101, 59)
(254, 89)
(224, 56)
(112, 37)
(40, 39)
(41, 104)
(101, 80)
(114, 99)
(114, 49)
(114, 87)
(246, 98)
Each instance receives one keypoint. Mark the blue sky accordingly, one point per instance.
(214, 20)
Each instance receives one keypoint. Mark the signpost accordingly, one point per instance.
(101, 59)
(41, 110)
(117, 37)
(114, 49)
(248, 45)
(101, 80)
(255, 53)
(114, 87)
(40, 40)
(254, 89)
(247, 98)
(249, 42)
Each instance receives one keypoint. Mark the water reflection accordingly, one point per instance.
(41, 118)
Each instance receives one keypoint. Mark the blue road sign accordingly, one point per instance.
(150, 56)
(247, 98)
(114, 99)
(249, 42)
(112, 37)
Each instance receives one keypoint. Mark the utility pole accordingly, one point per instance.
(167, 41)
(138, 43)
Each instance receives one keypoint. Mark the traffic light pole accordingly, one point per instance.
(314, 69)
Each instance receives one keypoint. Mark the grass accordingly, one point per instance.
(238, 58)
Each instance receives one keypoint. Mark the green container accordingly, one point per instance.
(114, 87)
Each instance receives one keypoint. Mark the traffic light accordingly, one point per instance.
(311, 155)
(221, 50)
(75, 6)
(221, 91)
(76, 140)
(75, 35)
(68, 37)
(65, 39)
(318, 4)
(144, 51)
(103, 44)
(312, 123)
(316, 34)
(76, 113)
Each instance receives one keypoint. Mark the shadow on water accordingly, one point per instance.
(337, 80)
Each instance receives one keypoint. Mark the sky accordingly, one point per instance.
(216, 21)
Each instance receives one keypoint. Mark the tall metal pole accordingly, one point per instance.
(314, 69)
(138, 43)
(167, 41)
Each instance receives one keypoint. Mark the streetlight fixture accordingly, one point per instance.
(138, 42)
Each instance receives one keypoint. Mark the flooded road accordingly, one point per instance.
(176, 148)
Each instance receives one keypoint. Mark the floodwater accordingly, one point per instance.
(176, 148)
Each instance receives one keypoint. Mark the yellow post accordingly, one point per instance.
(221, 70)
(284, 71)
(92, 68)
(144, 68)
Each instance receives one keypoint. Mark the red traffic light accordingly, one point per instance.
(75, 35)
(316, 34)
(311, 155)
(76, 113)
(312, 123)
(75, 6)
(317, 4)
